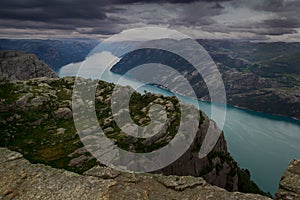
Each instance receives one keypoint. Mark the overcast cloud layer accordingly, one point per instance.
(266, 20)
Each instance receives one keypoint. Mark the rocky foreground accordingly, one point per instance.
(19, 179)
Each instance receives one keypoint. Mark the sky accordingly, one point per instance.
(254, 20)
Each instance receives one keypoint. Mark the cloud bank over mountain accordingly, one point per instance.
(267, 20)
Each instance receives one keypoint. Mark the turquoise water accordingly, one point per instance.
(262, 143)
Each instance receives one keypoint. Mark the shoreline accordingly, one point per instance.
(291, 118)
(266, 113)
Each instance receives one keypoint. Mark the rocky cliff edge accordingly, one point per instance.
(19, 179)
(289, 186)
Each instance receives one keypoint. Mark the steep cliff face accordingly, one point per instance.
(17, 65)
(289, 186)
(20, 179)
(37, 121)
(218, 168)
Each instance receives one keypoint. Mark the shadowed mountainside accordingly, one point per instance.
(56, 53)
(268, 82)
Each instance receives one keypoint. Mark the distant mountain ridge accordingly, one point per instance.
(262, 77)
(271, 60)
(251, 82)
(56, 53)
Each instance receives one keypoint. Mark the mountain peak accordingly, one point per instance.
(18, 65)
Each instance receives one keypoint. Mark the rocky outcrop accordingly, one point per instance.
(38, 122)
(215, 168)
(17, 65)
(63, 113)
(289, 186)
(19, 179)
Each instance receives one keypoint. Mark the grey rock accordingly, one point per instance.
(21, 102)
(79, 151)
(19, 179)
(107, 121)
(45, 85)
(102, 172)
(99, 98)
(79, 161)
(63, 113)
(289, 186)
(109, 129)
(170, 106)
(60, 131)
(17, 65)
(36, 123)
(180, 183)
(14, 117)
(38, 101)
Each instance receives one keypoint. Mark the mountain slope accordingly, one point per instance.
(255, 85)
(17, 65)
(56, 53)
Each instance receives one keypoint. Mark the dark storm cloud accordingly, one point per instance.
(51, 11)
(281, 23)
(278, 5)
(72, 14)
(272, 18)
(159, 1)
(273, 27)
(287, 10)
(286, 20)
(277, 26)
(106, 17)
(54, 14)
(48, 10)
(287, 13)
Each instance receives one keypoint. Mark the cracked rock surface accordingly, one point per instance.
(17, 65)
(19, 179)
